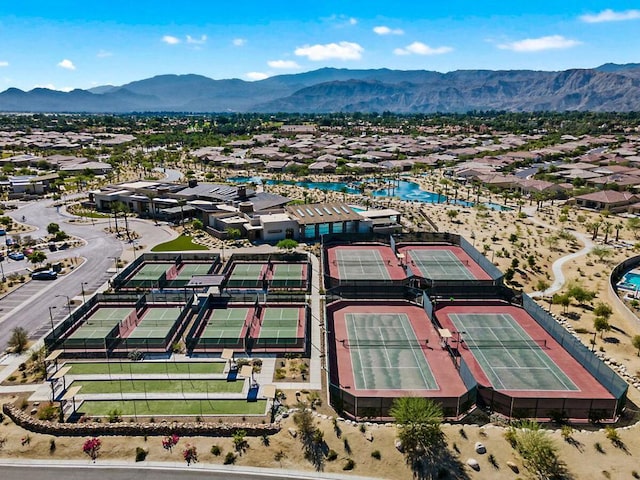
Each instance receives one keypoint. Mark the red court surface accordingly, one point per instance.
(389, 262)
(588, 386)
(473, 270)
(449, 383)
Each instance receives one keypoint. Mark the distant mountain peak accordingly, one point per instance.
(610, 87)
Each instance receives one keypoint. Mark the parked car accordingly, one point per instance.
(27, 251)
(3, 232)
(16, 256)
(52, 246)
(10, 242)
(44, 275)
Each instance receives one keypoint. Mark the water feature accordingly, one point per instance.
(403, 190)
(630, 281)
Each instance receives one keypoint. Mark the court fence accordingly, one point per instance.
(581, 353)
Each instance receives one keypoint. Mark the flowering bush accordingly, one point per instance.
(190, 454)
(92, 447)
(169, 442)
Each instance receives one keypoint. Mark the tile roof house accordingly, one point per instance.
(607, 200)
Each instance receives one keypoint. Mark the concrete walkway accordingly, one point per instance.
(556, 267)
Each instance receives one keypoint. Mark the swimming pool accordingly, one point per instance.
(630, 281)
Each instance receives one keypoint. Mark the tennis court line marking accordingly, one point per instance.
(497, 377)
(364, 379)
(426, 383)
(359, 270)
(544, 360)
(456, 268)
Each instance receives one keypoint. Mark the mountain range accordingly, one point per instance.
(610, 87)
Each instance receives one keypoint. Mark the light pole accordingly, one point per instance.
(115, 260)
(68, 302)
(51, 317)
(84, 300)
(4, 279)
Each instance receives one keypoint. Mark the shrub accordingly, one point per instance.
(376, 454)
(47, 412)
(230, 458)
(239, 442)
(141, 454)
(349, 464)
(114, 416)
(52, 445)
(216, 450)
(332, 455)
(169, 442)
(190, 454)
(92, 447)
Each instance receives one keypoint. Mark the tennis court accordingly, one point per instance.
(385, 353)
(361, 264)
(440, 265)
(246, 275)
(156, 323)
(149, 274)
(225, 326)
(101, 323)
(287, 275)
(279, 326)
(507, 354)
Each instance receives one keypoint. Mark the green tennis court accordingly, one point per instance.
(288, 275)
(187, 271)
(279, 326)
(507, 354)
(150, 272)
(248, 275)
(361, 264)
(385, 353)
(144, 368)
(440, 265)
(101, 323)
(172, 407)
(225, 326)
(127, 385)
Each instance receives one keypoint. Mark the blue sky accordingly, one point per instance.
(71, 44)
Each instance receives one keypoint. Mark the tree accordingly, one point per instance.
(539, 452)
(601, 325)
(38, 256)
(603, 310)
(635, 341)
(53, 228)
(419, 427)
(452, 214)
(288, 244)
(601, 252)
(581, 294)
(18, 340)
(633, 224)
(233, 233)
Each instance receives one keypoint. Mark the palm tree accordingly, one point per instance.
(619, 226)
(419, 423)
(606, 228)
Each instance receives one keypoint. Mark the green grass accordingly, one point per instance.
(143, 368)
(158, 386)
(179, 244)
(173, 407)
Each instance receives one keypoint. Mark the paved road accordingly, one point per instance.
(29, 306)
(156, 471)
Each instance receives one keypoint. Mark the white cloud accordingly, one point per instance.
(283, 64)
(239, 42)
(353, 21)
(197, 41)
(67, 64)
(551, 42)
(4, 64)
(104, 54)
(340, 51)
(256, 75)
(419, 48)
(384, 30)
(609, 15)
(170, 40)
(51, 86)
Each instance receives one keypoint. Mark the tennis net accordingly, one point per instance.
(396, 343)
(436, 263)
(467, 344)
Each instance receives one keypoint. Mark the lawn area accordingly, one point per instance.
(181, 243)
(143, 368)
(171, 407)
(158, 386)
